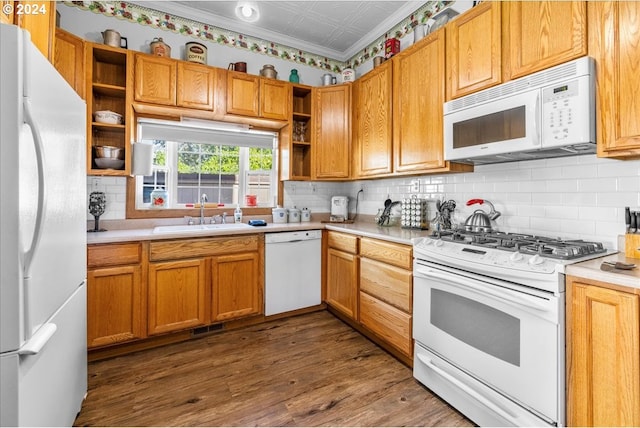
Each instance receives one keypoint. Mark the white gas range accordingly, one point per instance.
(489, 323)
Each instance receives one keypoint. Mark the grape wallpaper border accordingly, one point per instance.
(198, 30)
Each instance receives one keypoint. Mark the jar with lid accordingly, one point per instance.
(268, 71)
(293, 77)
(160, 48)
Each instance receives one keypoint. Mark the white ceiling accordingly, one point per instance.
(335, 29)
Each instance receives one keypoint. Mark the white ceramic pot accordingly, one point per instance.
(294, 215)
(305, 214)
(279, 215)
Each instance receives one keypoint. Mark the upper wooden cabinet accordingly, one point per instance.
(254, 96)
(195, 86)
(614, 40)
(542, 34)
(474, 50)
(39, 19)
(155, 79)
(418, 88)
(603, 354)
(295, 144)
(332, 142)
(373, 122)
(69, 60)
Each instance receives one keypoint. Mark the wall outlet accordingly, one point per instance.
(415, 186)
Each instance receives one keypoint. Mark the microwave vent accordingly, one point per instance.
(554, 152)
(540, 79)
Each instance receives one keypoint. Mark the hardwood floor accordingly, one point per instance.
(309, 370)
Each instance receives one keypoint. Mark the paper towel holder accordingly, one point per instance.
(142, 158)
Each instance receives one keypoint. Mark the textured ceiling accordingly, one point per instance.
(335, 29)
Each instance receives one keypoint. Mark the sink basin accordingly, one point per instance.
(194, 228)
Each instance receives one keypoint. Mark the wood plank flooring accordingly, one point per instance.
(309, 370)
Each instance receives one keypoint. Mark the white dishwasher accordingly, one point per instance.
(292, 270)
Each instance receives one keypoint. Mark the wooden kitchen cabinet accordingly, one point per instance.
(108, 88)
(474, 50)
(236, 286)
(195, 86)
(69, 60)
(155, 79)
(542, 34)
(342, 273)
(116, 296)
(296, 145)
(614, 40)
(39, 19)
(254, 96)
(386, 292)
(373, 122)
(332, 127)
(603, 354)
(418, 88)
(177, 295)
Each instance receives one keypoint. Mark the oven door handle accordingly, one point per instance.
(469, 391)
(493, 292)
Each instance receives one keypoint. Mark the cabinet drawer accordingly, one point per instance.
(113, 254)
(343, 241)
(387, 252)
(190, 248)
(388, 322)
(387, 283)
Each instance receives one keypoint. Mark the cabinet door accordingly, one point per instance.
(391, 324)
(474, 50)
(603, 358)
(69, 59)
(614, 41)
(177, 297)
(342, 282)
(418, 95)
(195, 86)
(243, 94)
(372, 122)
(275, 99)
(39, 19)
(332, 144)
(115, 305)
(155, 79)
(7, 14)
(544, 33)
(237, 289)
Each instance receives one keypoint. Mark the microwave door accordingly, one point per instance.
(507, 125)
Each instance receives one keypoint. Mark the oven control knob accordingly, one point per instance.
(536, 260)
(515, 257)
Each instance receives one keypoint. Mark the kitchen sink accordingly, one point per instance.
(186, 228)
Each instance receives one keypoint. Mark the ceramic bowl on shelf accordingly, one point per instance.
(107, 116)
(108, 163)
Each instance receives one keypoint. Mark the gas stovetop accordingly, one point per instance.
(555, 248)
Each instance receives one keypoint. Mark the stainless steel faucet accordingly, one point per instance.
(203, 199)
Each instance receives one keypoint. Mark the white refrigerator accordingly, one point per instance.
(43, 353)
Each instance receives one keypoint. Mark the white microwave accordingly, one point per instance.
(550, 113)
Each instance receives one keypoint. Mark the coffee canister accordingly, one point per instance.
(294, 215)
(160, 48)
(279, 215)
(305, 214)
(348, 75)
(195, 52)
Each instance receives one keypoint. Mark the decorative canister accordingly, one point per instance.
(326, 79)
(195, 52)
(251, 200)
(305, 214)
(293, 77)
(160, 48)
(268, 71)
(159, 198)
(348, 75)
(279, 215)
(294, 215)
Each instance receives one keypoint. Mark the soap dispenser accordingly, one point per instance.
(237, 214)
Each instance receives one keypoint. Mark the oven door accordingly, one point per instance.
(505, 335)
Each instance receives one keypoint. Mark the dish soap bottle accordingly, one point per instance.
(237, 214)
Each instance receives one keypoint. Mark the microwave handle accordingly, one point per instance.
(537, 118)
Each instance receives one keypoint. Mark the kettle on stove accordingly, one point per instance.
(480, 221)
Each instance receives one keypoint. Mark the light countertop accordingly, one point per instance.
(590, 269)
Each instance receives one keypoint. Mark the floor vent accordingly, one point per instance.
(206, 329)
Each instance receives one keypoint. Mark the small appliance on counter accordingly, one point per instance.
(339, 209)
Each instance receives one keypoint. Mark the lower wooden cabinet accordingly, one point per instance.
(116, 295)
(177, 295)
(388, 322)
(236, 286)
(603, 355)
(342, 273)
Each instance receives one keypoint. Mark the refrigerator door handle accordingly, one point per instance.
(39, 148)
(34, 345)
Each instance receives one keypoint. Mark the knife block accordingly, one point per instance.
(632, 245)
